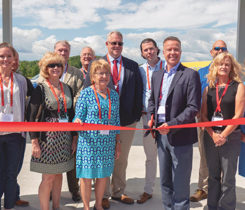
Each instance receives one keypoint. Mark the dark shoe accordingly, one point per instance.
(76, 197)
(94, 208)
(21, 203)
(198, 195)
(124, 199)
(106, 203)
(144, 197)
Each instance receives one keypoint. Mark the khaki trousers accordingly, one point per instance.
(203, 170)
(118, 181)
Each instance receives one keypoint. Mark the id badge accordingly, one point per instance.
(63, 120)
(161, 110)
(6, 117)
(217, 117)
(104, 132)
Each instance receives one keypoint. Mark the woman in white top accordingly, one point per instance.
(13, 89)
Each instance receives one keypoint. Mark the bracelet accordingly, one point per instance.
(118, 141)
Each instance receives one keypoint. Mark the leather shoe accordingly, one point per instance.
(198, 195)
(124, 199)
(21, 203)
(105, 203)
(76, 197)
(144, 197)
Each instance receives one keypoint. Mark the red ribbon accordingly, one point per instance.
(47, 126)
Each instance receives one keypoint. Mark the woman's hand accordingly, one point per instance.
(77, 120)
(218, 139)
(74, 144)
(36, 151)
(117, 150)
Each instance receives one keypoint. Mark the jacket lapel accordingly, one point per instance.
(159, 80)
(177, 75)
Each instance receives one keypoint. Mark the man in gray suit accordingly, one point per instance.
(175, 99)
(74, 78)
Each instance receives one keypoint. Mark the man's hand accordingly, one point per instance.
(163, 130)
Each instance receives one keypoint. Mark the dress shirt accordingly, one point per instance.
(166, 83)
(118, 68)
(143, 72)
(203, 76)
(64, 73)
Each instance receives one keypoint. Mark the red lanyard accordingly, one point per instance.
(56, 97)
(11, 89)
(218, 101)
(148, 77)
(98, 102)
(120, 68)
(83, 71)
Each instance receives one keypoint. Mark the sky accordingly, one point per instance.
(38, 24)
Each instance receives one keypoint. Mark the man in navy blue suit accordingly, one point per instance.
(175, 99)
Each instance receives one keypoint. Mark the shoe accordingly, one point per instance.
(21, 203)
(76, 197)
(94, 208)
(198, 195)
(124, 199)
(144, 197)
(106, 203)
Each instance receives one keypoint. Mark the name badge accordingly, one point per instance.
(161, 110)
(217, 118)
(104, 132)
(64, 120)
(6, 117)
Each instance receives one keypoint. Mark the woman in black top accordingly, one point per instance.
(224, 98)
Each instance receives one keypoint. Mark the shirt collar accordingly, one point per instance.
(172, 70)
(156, 66)
(112, 59)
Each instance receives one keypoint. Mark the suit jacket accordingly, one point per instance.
(182, 104)
(73, 78)
(131, 93)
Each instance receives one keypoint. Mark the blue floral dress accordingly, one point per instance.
(95, 151)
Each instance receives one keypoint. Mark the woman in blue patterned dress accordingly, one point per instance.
(96, 150)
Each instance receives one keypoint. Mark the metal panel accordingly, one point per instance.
(7, 20)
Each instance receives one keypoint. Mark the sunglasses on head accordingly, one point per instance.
(52, 65)
(116, 43)
(220, 48)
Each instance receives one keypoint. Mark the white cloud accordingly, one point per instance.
(61, 14)
(177, 14)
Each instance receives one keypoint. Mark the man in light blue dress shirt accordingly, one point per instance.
(150, 52)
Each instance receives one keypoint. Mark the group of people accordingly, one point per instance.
(115, 90)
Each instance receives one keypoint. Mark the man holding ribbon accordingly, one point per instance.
(150, 52)
(202, 192)
(126, 80)
(175, 99)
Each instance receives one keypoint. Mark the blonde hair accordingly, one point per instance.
(114, 32)
(235, 73)
(48, 58)
(98, 65)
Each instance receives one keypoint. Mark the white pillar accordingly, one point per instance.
(240, 50)
(7, 20)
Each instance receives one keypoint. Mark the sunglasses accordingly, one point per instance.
(52, 65)
(116, 43)
(220, 48)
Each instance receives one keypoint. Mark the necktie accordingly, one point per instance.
(115, 75)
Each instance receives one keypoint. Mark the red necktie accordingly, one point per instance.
(115, 75)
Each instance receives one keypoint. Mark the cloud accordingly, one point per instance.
(61, 14)
(174, 14)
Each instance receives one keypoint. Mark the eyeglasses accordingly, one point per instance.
(103, 73)
(116, 43)
(52, 65)
(220, 48)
